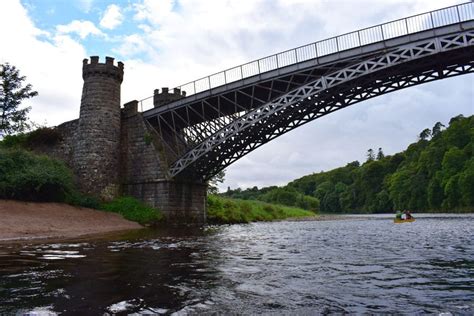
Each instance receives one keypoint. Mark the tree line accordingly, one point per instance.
(434, 174)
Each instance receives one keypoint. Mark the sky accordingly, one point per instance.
(165, 43)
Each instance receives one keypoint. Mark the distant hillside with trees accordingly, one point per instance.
(434, 174)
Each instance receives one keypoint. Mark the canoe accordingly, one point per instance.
(400, 221)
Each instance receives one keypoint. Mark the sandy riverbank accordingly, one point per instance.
(33, 221)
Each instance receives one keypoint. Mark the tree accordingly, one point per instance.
(214, 182)
(380, 154)
(323, 189)
(437, 129)
(381, 203)
(370, 155)
(12, 118)
(453, 162)
(466, 183)
(425, 134)
(435, 192)
(452, 193)
(456, 119)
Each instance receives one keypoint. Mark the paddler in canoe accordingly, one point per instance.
(404, 217)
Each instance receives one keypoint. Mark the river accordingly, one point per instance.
(300, 268)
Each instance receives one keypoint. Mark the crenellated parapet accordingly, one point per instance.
(107, 69)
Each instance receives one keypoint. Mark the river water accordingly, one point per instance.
(299, 268)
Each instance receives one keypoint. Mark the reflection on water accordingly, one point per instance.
(354, 266)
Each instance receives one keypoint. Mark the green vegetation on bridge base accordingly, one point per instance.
(133, 210)
(229, 211)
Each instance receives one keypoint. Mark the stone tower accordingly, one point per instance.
(97, 148)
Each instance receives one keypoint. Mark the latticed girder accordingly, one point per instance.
(405, 66)
(301, 113)
(185, 125)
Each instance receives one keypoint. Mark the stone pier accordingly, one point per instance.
(144, 173)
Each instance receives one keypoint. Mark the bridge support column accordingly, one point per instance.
(182, 203)
(143, 173)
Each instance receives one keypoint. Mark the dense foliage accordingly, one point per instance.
(43, 136)
(26, 176)
(227, 211)
(434, 174)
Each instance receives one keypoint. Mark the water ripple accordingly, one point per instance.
(351, 266)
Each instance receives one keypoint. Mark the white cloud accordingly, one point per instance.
(81, 28)
(154, 11)
(85, 5)
(112, 17)
(197, 37)
(132, 45)
(52, 66)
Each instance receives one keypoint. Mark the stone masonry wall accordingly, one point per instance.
(180, 202)
(141, 161)
(63, 149)
(144, 176)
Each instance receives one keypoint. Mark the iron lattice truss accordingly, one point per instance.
(207, 137)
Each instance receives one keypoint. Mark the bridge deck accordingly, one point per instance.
(326, 53)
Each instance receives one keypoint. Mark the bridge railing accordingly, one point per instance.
(370, 35)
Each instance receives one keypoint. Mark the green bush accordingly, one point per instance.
(132, 209)
(14, 141)
(78, 199)
(30, 177)
(227, 211)
(43, 136)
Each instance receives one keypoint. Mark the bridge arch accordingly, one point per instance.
(212, 129)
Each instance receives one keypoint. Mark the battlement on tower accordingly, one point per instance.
(107, 69)
(166, 96)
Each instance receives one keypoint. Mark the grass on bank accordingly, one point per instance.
(228, 211)
(133, 210)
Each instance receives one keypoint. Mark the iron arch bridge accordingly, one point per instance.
(229, 114)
